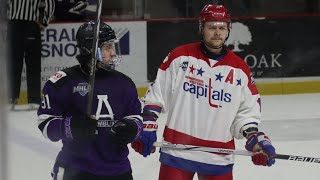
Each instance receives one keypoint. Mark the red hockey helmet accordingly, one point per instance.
(213, 12)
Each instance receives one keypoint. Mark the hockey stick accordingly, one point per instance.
(232, 151)
(93, 63)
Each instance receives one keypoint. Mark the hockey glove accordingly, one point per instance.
(125, 131)
(79, 127)
(265, 152)
(144, 144)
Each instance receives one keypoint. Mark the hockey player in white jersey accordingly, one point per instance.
(210, 98)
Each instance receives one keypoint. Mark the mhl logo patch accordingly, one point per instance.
(184, 65)
(81, 88)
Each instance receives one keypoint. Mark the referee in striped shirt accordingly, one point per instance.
(26, 20)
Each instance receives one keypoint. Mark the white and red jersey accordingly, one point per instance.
(207, 101)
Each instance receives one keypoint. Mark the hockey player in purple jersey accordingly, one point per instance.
(95, 146)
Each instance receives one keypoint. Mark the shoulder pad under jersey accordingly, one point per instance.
(57, 76)
(66, 75)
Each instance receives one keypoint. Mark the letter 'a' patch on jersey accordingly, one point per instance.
(58, 75)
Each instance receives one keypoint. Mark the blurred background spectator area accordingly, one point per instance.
(154, 9)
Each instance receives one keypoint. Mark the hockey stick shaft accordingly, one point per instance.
(232, 151)
(94, 57)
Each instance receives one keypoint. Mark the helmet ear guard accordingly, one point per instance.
(84, 51)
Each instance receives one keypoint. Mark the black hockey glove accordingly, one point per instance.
(124, 131)
(79, 127)
(79, 7)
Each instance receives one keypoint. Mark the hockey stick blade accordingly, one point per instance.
(232, 151)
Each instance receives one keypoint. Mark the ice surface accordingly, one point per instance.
(291, 121)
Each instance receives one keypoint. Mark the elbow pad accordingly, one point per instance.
(249, 129)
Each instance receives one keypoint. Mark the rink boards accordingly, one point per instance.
(278, 65)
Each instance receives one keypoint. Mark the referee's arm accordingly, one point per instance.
(48, 12)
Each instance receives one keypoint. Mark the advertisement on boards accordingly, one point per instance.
(281, 47)
(273, 48)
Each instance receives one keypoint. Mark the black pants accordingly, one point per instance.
(24, 46)
(72, 174)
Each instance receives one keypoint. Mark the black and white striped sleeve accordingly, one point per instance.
(48, 12)
(31, 10)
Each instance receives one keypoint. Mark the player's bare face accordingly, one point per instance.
(108, 52)
(215, 33)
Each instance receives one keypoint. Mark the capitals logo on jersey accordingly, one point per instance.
(196, 85)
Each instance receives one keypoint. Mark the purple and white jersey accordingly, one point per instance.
(114, 97)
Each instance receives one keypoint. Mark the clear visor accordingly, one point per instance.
(109, 54)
